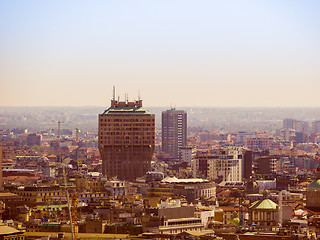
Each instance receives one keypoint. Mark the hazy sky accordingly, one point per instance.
(183, 53)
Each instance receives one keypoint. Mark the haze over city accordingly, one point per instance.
(171, 120)
(183, 53)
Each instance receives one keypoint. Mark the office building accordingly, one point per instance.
(126, 140)
(258, 143)
(316, 126)
(34, 139)
(186, 154)
(267, 165)
(223, 164)
(289, 123)
(174, 131)
(299, 126)
(242, 136)
(247, 164)
(288, 134)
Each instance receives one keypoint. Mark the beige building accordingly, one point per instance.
(223, 163)
(264, 213)
(32, 196)
(126, 140)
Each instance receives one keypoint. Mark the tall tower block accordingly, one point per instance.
(174, 131)
(126, 139)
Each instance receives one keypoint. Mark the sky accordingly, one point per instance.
(230, 53)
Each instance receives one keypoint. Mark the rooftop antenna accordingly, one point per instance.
(139, 97)
(114, 93)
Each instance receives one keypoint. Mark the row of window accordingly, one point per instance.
(127, 119)
(126, 124)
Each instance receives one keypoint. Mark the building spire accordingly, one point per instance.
(114, 93)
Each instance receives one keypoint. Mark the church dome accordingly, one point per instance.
(265, 204)
(315, 185)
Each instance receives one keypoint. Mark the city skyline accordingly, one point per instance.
(213, 53)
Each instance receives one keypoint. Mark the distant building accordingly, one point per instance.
(186, 154)
(316, 126)
(39, 195)
(174, 131)
(264, 213)
(313, 193)
(206, 136)
(154, 176)
(267, 165)
(34, 139)
(288, 134)
(242, 136)
(126, 140)
(176, 218)
(116, 188)
(192, 188)
(224, 164)
(8, 233)
(289, 123)
(256, 144)
(302, 126)
(247, 164)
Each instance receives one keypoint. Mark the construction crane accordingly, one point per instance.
(72, 212)
(59, 122)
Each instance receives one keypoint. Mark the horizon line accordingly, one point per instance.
(185, 106)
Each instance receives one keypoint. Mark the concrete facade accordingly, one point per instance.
(174, 131)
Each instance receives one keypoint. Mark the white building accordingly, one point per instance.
(186, 154)
(225, 163)
(116, 187)
(179, 225)
(242, 136)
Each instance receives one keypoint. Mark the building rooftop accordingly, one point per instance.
(315, 185)
(6, 230)
(126, 110)
(265, 204)
(188, 180)
(8, 194)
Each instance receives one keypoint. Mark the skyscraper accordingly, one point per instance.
(289, 123)
(126, 140)
(174, 131)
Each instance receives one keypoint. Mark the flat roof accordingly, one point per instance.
(126, 110)
(6, 230)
